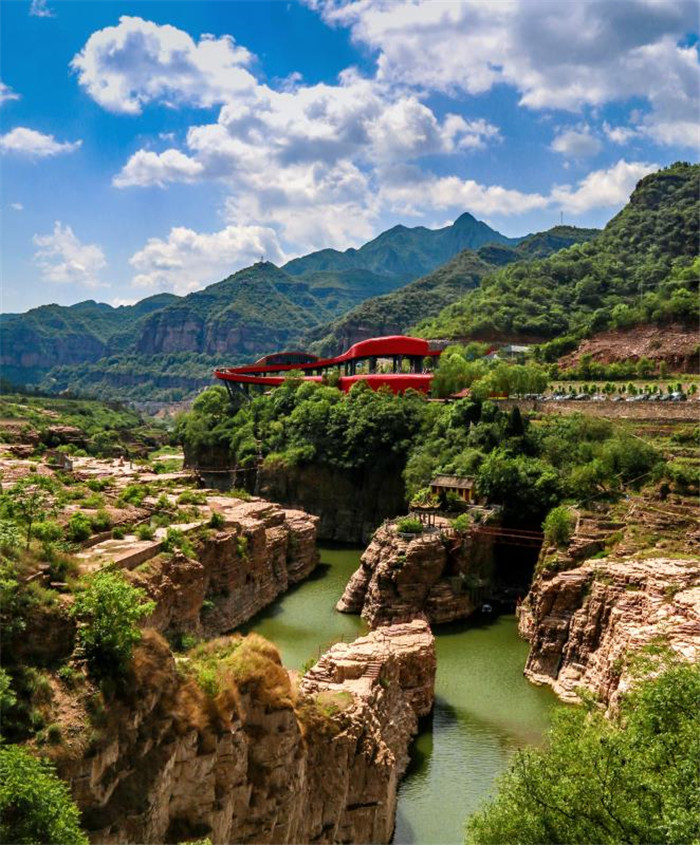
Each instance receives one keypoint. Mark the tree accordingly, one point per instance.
(559, 525)
(30, 500)
(35, 805)
(633, 778)
(108, 610)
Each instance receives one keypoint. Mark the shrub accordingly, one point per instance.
(409, 525)
(35, 804)
(79, 528)
(119, 532)
(175, 539)
(559, 526)
(108, 610)
(145, 532)
(217, 520)
(462, 523)
(101, 521)
(48, 532)
(191, 497)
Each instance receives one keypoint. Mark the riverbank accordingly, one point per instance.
(484, 708)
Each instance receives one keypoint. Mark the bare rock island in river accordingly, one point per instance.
(433, 574)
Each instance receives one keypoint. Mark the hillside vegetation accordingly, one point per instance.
(641, 267)
(94, 347)
(403, 252)
(395, 312)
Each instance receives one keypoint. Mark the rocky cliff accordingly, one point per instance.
(235, 571)
(349, 504)
(245, 755)
(439, 575)
(584, 624)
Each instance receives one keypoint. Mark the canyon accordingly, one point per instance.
(613, 594)
(265, 757)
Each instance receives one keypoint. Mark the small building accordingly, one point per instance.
(58, 460)
(462, 485)
(513, 350)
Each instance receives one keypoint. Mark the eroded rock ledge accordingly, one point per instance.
(259, 552)
(584, 623)
(438, 575)
(259, 762)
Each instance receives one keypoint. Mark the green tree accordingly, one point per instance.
(35, 804)
(559, 525)
(108, 610)
(633, 778)
(30, 500)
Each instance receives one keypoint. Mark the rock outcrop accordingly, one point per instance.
(253, 760)
(349, 503)
(259, 552)
(584, 624)
(438, 575)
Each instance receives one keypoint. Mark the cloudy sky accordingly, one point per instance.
(161, 146)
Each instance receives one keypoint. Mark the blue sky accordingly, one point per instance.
(162, 146)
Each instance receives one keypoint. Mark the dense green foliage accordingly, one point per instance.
(35, 805)
(647, 249)
(526, 468)
(559, 525)
(634, 778)
(394, 312)
(108, 610)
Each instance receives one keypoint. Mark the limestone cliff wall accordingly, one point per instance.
(350, 504)
(402, 577)
(259, 552)
(584, 623)
(259, 762)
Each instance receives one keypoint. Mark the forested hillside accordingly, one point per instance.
(395, 312)
(640, 268)
(255, 311)
(405, 253)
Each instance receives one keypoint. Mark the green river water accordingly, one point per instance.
(484, 708)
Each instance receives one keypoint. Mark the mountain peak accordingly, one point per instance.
(467, 218)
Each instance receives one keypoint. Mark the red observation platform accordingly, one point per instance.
(396, 349)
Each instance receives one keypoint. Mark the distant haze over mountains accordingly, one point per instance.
(165, 346)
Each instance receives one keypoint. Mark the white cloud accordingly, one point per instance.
(40, 9)
(602, 188)
(17, 206)
(137, 62)
(149, 168)
(576, 143)
(409, 189)
(588, 55)
(620, 134)
(63, 258)
(190, 260)
(33, 144)
(7, 94)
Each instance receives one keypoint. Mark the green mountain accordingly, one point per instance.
(640, 268)
(395, 312)
(404, 253)
(32, 343)
(246, 315)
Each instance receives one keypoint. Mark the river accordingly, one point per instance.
(484, 708)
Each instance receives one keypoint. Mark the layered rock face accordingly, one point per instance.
(583, 624)
(349, 504)
(261, 550)
(260, 762)
(402, 577)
